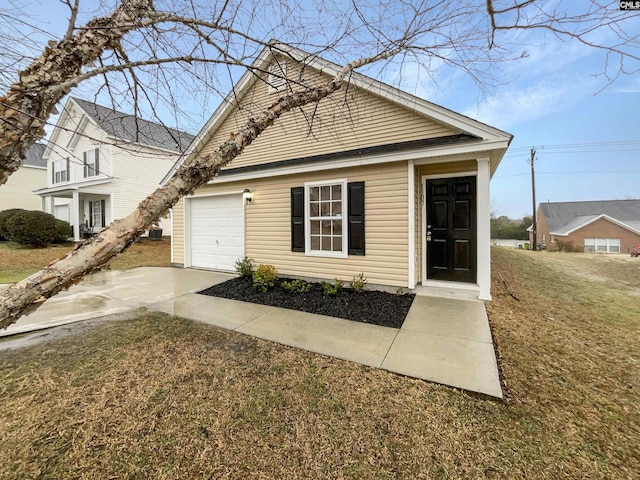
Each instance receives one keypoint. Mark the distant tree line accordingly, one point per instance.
(505, 227)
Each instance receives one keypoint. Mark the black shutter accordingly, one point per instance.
(103, 212)
(68, 170)
(91, 214)
(84, 162)
(97, 164)
(53, 172)
(356, 217)
(297, 219)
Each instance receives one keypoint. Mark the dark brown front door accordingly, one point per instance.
(451, 229)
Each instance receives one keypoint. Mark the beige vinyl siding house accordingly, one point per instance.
(339, 189)
(17, 192)
(268, 225)
(365, 120)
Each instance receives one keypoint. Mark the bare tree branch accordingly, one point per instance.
(34, 98)
(28, 294)
(144, 54)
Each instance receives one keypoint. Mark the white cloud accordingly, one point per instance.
(631, 86)
(527, 103)
(418, 79)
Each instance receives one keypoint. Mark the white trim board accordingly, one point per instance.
(603, 216)
(375, 159)
(411, 184)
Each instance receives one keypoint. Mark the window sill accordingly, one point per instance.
(310, 253)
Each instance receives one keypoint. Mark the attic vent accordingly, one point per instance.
(277, 77)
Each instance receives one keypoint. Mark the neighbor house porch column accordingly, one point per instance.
(75, 215)
(484, 228)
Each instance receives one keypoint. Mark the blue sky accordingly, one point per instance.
(587, 134)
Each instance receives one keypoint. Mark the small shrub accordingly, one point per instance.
(358, 282)
(63, 231)
(244, 266)
(400, 291)
(296, 286)
(5, 218)
(569, 247)
(34, 228)
(332, 289)
(264, 277)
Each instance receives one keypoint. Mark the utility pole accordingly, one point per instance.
(534, 243)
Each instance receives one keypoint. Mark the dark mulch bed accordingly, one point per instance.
(368, 306)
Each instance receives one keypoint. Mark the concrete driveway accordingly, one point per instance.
(443, 340)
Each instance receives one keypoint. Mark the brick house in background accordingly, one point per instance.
(611, 226)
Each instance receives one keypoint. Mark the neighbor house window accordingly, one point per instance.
(61, 170)
(326, 223)
(91, 162)
(608, 245)
(96, 213)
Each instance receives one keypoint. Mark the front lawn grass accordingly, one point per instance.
(164, 398)
(18, 262)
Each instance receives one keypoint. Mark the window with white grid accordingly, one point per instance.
(326, 228)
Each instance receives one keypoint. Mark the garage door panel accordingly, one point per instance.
(217, 231)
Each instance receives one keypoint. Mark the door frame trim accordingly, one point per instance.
(187, 222)
(423, 206)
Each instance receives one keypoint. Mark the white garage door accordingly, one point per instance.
(217, 231)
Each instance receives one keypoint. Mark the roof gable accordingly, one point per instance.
(565, 217)
(133, 129)
(366, 114)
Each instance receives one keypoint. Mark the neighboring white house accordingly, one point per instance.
(101, 163)
(32, 174)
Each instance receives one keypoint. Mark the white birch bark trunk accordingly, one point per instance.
(41, 86)
(26, 295)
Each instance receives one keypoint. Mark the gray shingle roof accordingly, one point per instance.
(563, 217)
(131, 129)
(33, 156)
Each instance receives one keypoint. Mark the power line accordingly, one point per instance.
(570, 145)
(599, 172)
(577, 151)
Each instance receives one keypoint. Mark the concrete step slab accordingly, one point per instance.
(344, 339)
(455, 318)
(221, 312)
(450, 361)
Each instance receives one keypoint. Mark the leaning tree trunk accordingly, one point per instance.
(30, 102)
(26, 295)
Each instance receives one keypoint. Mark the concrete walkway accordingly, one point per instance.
(443, 340)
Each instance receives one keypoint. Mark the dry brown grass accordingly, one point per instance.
(622, 268)
(161, 397)
(17, 262)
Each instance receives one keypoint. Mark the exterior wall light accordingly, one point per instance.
(247, 195)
